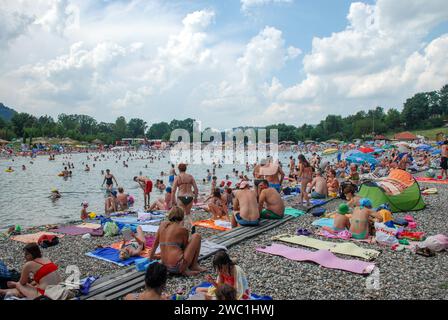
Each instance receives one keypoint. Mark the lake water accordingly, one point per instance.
(24, 195)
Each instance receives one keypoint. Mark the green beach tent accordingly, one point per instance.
(409, 200)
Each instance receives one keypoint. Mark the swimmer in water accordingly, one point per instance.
(55, 194)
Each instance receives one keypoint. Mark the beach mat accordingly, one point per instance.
(77, 231)
(294, 212)
(345, 248)
(323, 222)
(322, 257)
(89, 225)
(431, 180)
(34, 237)
(209, 247)
(135, 221)
(211, 224)
(111, 255)
(343, 236)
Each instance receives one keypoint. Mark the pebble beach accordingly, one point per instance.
(403, 275)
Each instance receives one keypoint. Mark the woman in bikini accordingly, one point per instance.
(44, 274)
(306, 175)
(187, 190)
(178, 253)
(134, 247)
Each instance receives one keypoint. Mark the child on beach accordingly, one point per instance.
(341, 221)
(225, 292)
(84, 213)
(360, 221)
(228, 273)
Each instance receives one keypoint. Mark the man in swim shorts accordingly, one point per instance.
(320, 185)
(269, 197)
(146, 184)
(444, 160)
(246, 207)
(172, 175)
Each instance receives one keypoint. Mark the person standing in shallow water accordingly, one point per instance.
(109, 180)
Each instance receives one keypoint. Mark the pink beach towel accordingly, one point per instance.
(322, 257)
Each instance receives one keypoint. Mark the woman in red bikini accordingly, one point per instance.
(44, 274)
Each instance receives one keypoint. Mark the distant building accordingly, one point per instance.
(405, 136)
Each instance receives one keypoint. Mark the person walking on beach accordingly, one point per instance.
(187, 190)
(109, 180)
(444, 160)
(146, 184)
(306, 176)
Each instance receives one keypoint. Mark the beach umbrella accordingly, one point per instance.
(366, 150)
(3, 141)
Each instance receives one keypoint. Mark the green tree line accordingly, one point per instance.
(424, 110)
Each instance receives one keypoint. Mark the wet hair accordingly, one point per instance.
(217, 193)
(33, 250)
(225, 292)
(120, 189)
(155, 277)
(222, 260)
(176, 214)
(182, 167)
(135, 178)
(107, 170)
(349, 189)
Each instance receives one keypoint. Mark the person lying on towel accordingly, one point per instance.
(133, 244)
(45, 273)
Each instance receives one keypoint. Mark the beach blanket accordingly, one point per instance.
(343, 235)
(324, 222)
(149, 216)
(77, 231)
(135, 221)
(148, 245)
(294, 212)
(33, 237)
(322, 257)
(150, 228)
(345, 248)
(209, 223)
(89, 225)
(209, 247)
(111, 255)
(431, 180)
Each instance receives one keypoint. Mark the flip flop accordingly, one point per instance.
(303, 232)
(425, 252)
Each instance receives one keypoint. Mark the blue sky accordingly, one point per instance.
(226, 63)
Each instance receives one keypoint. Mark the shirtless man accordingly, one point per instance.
(275, 207)
(122, 199)
(146, 184)
(320, 185)
(245, 207)
(273, 173)
(444, 160)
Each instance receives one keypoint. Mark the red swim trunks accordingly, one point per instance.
(148, 186)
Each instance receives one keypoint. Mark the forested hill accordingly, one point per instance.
(5, 112)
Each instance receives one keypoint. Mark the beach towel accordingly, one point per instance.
(431, 180)
(150, 228)
(89, 225)
(193, 296)
(150, 216)
(343, 235)
(322, 257)
(77, 231)
(209, 247)
(135, 221)
(345, 248)
(210, 224)
(111, 255)
(294, 212)
(324, 222)
(34, 237)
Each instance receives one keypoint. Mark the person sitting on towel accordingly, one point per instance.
(155, 281)
(178, 253)
(163, 203)
(332, 182)
(133, 247)
(320, 186)
(230, 274)
(269, 197)
(349, 192)
(360, 221)
(45, 273)
(340, 222)
(245, 207)
(217, 206)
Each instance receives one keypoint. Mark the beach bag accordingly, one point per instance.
(385, 235)
(111, 229)
(47, 240)
(435, 243)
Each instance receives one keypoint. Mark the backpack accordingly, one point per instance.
(110, 229)
(47, 240)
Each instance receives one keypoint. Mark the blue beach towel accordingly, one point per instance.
(324, 222)
(111, 255)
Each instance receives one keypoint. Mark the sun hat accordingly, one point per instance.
(365, 203)
(343, 208)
